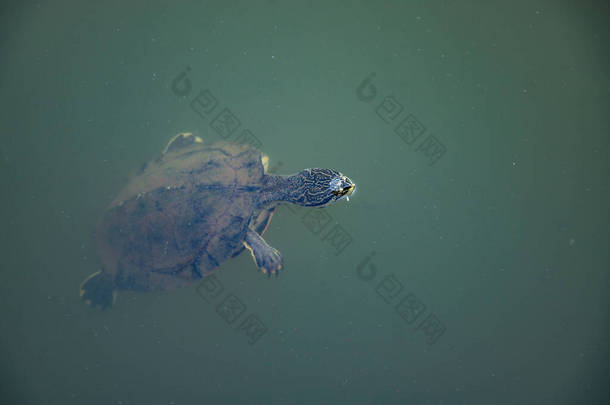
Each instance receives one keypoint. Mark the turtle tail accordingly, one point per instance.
(98, 290)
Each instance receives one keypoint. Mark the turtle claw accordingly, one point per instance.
(270, 272)
(273, 264)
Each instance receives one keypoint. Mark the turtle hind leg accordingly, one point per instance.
(98, 290)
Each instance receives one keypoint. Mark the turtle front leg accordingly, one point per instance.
(266, 258)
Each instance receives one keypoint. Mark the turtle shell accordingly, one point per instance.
(185, 214)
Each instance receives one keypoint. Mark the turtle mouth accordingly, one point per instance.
(344, 189)
(349, 190)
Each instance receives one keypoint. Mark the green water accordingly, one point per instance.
(470, 267)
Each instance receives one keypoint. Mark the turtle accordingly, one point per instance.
(191, 209)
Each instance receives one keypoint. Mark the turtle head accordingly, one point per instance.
(321, 187)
